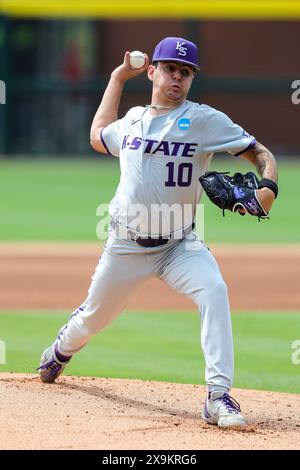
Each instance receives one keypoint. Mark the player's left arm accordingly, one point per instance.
(266, 166)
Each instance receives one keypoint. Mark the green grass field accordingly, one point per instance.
(57, 200)
(161, 346)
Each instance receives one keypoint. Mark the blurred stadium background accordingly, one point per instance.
(55, 60)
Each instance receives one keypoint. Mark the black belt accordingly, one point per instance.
(150, 242)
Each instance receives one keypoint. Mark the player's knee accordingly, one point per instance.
(214, 295)
(220, 289)
(223, 287)
(217, 291)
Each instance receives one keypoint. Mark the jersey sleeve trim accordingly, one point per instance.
(103, 142)
(250, 146)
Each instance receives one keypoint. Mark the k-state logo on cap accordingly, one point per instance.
(182, 50)
(184, 124)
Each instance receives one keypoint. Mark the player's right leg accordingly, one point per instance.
(116, 278)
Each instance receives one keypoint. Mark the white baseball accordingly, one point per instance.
(137, 59)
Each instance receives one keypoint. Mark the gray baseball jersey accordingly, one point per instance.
(162, 157)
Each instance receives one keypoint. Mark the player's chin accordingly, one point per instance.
(175, 95)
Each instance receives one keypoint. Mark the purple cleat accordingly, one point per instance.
(52, 364)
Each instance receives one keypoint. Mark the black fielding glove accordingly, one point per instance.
(233, 192)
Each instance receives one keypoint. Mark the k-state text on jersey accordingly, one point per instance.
(163, 147)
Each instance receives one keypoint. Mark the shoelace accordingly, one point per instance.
(230, 403)
(52, 365)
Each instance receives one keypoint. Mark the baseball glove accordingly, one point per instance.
(234, 192)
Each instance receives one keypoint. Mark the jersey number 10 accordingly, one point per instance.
(184, 174)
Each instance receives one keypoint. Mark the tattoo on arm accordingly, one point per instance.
(264, 161)
(261, 166)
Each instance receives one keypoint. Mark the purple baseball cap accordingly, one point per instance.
(177, 50)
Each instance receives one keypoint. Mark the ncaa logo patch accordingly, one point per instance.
(184, 124)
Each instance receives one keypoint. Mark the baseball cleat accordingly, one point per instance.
(222, 410)
(50, 365)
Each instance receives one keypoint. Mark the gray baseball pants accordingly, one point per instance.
(188, 267)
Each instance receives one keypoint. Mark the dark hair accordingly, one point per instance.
(155, 64)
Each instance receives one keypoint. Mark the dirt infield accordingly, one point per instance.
(58, 275)
(93, 413)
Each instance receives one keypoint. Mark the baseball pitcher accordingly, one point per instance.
(164, 148)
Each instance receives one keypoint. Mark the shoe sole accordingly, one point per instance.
(214, 422)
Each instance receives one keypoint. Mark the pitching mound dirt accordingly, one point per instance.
(97, 413)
